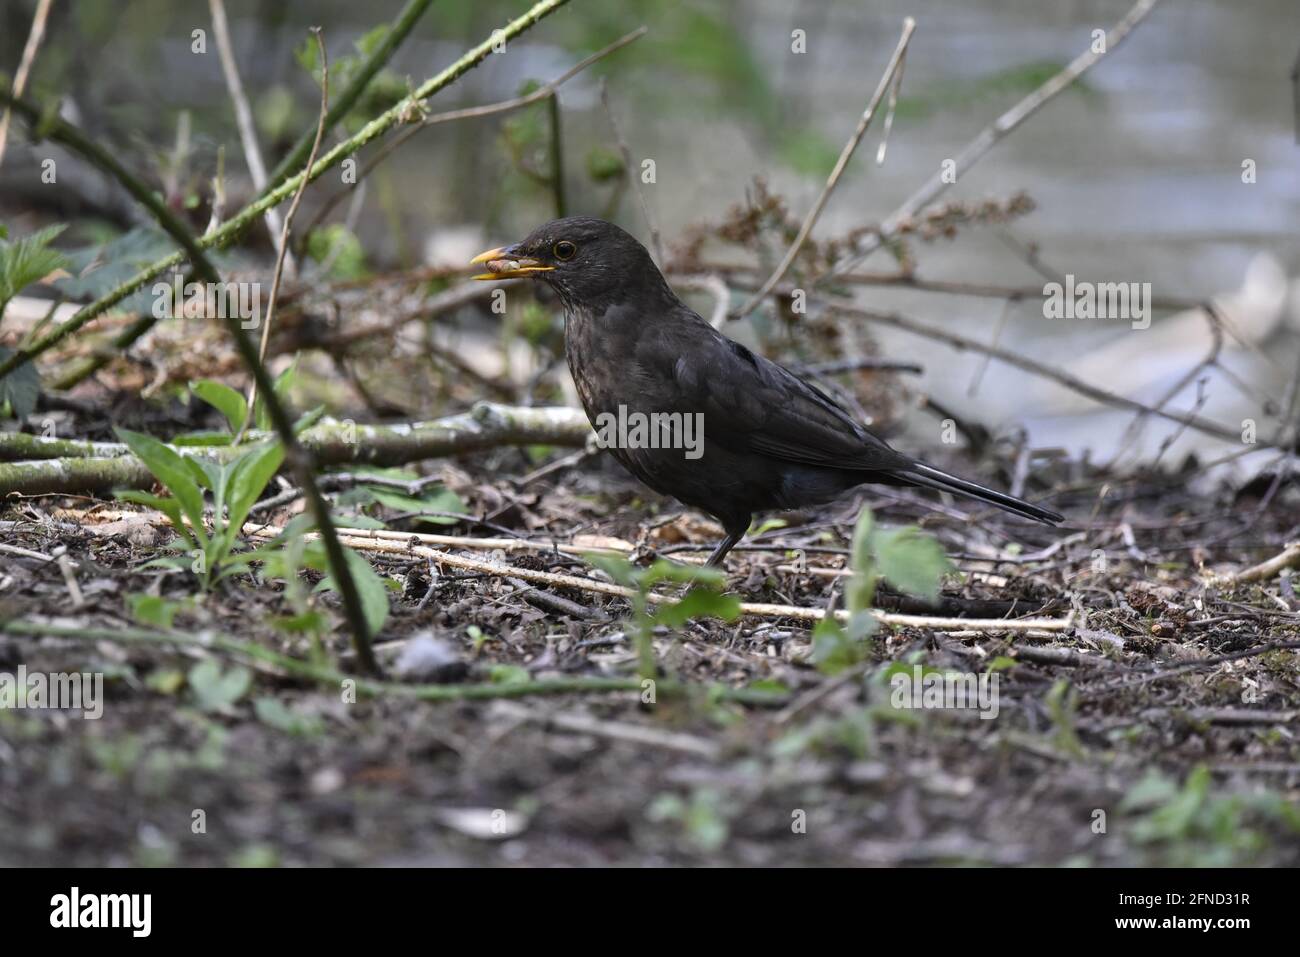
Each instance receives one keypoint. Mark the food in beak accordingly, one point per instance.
(503, 266)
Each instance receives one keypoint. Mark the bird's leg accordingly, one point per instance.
(726, 545)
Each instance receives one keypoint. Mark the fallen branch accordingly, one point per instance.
(331, 443)
(1289, 557)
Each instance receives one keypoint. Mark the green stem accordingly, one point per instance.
(228, 232)
(369, 687)
(55, 128)
(299, 460)
(397, 33)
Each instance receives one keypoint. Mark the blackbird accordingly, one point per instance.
(766, 439)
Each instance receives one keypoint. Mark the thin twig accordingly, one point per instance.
(34, 37)
(288, 220)
(394, 36)
(473, 112)
(958, 341)
(988, 138)
(243, 113)
(895, 66)
(377, 541)
(632, 176)
(280, 192)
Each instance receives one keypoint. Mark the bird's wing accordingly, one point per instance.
(751, 403)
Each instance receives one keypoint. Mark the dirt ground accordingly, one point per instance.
(1159, 730)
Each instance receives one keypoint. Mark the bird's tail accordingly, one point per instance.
(928, 477)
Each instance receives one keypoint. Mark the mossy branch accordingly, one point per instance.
(32, 465)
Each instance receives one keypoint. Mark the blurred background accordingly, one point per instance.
(1135, 173)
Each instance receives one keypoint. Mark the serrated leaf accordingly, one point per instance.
(28, 260)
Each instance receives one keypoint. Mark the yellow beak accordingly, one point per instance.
(501, 265)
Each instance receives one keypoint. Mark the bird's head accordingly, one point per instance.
(590, 263)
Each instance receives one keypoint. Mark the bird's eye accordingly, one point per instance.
(564, 250)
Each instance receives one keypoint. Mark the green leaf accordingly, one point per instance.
(252, 471)
(440, 500)
(861, 548)
(215, 690)
(508, 675)
(170, 470)
(604, 164)
(273, 713)
(28, 260)
(834, 649)
(370, 587)
(20, 389)
(911, 561)
(620, 569)
(664, 570)
(168, 506)
(283, 383)
(308, 419)
(698, 603)
(224, 399)
(152, 609)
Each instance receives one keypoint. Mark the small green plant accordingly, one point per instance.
(23, 262)
(235, 485)
(290, 553)
(907, 558)
(703, 600)
(1190, 826)
(702, 818)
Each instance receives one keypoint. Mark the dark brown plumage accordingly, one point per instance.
(770, 439)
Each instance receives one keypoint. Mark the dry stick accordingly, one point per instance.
(895, 66)
(946, 286)
(633, 178)
(243, 114)
(505, 106)
(1132, 433)
(957, 341)
(371, 540)
(34, 38)
(1264, 571)
(485, 426)
(280, 192)
(989, 137)
(288, 223)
